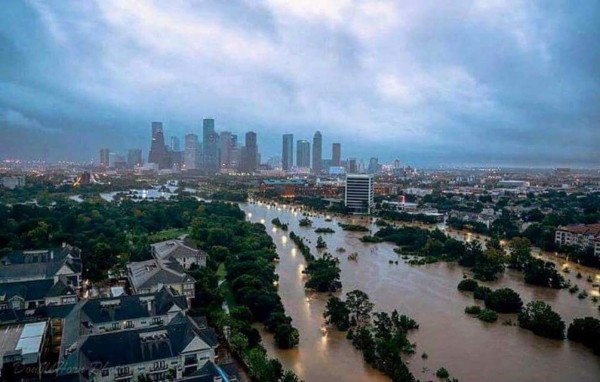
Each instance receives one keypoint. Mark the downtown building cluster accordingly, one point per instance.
(215, 152)
(223, 152)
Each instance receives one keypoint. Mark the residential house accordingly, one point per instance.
(174, 350)
(181, 251)
(151, 275)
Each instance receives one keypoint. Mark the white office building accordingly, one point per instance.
(359, 193)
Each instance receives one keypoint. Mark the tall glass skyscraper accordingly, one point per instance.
(303, 154)
(287, 152)
(317, 153)
(210, 145)
(250, 153)
(192, 152)
(336, 154)
(158, 153)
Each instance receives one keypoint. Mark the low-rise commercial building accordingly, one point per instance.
(581, 235)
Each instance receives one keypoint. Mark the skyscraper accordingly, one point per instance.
(317, 153)
(158, 153)
(352, 167)
(134, 158)
(227, 144)
(249, 162)
(303, 154)
(191, 155)
(287, 152)
(175, 144)
(210, 150)
(336, 154)
(374, 166)
(104, 157)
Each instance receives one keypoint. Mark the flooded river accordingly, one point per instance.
(470, 349)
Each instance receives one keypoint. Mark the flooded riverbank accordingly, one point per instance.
(470, 349)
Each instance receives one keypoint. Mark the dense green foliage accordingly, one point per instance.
(109, 234)
(371, 239)
(587, 331)
(539, 317)
(481, 292)
(323, 274)
(406, 217)
(381, 341)
(321, 244)
(230, 195)
(467, 285)
(487, 315)
(304, 249)
(324, 230)
(474, 309)
(337, 314)
(277, 223)
(504, 300)
(353, 227)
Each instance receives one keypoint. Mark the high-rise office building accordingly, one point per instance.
(359, 193)
(303, 154)
(336, 154)
(317, 153)
(227, 144)
(210, 146)
(249, 161)
(175, 146)
(374, 166)
(134, 158)
(352, 167)
(287, 152)
(236, 152)
(158, 152)
(191, 155)
(104, 157)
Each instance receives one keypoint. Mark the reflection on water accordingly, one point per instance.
(470, 349)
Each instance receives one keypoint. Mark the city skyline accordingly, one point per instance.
(487, 84)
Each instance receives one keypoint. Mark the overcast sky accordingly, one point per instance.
(427, 82)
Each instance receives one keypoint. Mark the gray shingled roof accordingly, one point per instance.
(175, 249)
(129, 346)
(145, 274)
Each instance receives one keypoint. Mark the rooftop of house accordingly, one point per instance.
(23, 338)
(174, 249)
(39, 264)
(128, 347)
(88, 313)
(211, 372)
(149, 273)
(34, 289)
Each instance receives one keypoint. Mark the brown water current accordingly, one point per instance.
(471, 350)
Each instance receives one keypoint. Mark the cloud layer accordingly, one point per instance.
(428, 82)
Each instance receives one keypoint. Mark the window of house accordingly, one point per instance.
(116, 326)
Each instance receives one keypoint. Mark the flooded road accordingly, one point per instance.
(470, 349)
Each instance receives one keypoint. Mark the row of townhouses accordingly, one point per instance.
(147, 335)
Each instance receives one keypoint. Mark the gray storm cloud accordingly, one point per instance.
(488, 82)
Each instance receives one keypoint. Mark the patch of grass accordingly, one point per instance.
(221, 271)
(228, 295)
(168, 234)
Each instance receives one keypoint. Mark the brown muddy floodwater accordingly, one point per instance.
(470, 349)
